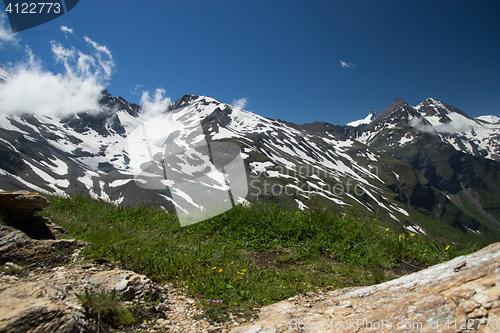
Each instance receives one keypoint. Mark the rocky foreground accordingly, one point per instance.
(460, 295)
(42, 274)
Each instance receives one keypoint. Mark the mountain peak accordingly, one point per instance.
(183, 101)
(431, 100)
(398, 104)
(368, 119)
(431, 107)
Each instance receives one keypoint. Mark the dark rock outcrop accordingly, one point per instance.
(22, 202)
(41, 281)
(17, 210)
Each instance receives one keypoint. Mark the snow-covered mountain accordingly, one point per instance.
(490, 119)
(368, 119)
(125, 155)
(92, 151)
(472, 136)
(455, 153)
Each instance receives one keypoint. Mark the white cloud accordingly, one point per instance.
(156, 105)
(348, 65)
(33, 89)
(7, 37)
(36, 90)
(239, 104)
(63, 55)
(136, 89)
(424, 126)
(67, 30)
(85, 65)
(104, 56)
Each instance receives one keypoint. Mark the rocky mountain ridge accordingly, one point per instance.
(441, 142)
(474, 136)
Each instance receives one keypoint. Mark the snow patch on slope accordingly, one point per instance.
(491, 119)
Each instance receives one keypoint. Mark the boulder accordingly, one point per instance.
(17, 209)
(47, 302)
(127, 283)
(22, 202)
(459, 295)
(43, 282)
(37, 294)
(16, 246)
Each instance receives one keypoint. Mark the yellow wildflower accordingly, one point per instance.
(447, 247)
(387, 229)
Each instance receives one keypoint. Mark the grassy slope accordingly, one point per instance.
(456, 212)
(396, 183)
(248, 256)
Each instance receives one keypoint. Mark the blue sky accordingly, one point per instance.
(300, 61)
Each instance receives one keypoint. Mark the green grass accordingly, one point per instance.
(246, 257)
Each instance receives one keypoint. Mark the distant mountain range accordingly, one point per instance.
(476, 136)
(429, 169)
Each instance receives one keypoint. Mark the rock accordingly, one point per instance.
(23, 202)
(128, 284)
(47, 302)
(37, 295)
(16, 246)
(458, 295)
(28, 307)
(17, 209)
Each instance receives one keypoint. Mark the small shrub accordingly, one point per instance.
(12, 269)
(104, 309)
